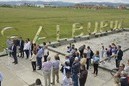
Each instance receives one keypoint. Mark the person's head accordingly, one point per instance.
(34, 44)
(45, 46)
(88, 47)
(121, 67)
(119, 47)
(97, 53)
(68, 74)
(84, 55)
(57, 57)
(102, 47)
(75, 49)
(44, 43)
(28, 39)
(76, 59)
(38, 82)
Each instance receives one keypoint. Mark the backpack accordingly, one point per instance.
(91, 54)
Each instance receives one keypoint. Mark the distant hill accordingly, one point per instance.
(59, 3)
(55, 3)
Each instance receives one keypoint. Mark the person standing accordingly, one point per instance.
(21, 47)
(83, 75)
(1, 78)
(87, 51)
(14, 52)
(47, 67)
(26, 49)
(39, 57)
(81, 50)
(46, 53)
(9, 44)
(33, 60)
(96, 60)
(75, 71)
(55, 71)
(119, 56)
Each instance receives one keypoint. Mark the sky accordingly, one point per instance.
(77, 1)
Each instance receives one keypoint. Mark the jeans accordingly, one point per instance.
(27, 53)
(75, 79)
(39, 61)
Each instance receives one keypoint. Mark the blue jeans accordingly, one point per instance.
(39, 62)
(75, 79)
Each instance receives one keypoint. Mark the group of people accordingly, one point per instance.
(75, 67)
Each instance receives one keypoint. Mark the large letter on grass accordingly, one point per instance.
(77, 27)
(89, 27)
(96, 27)
(57, 32)
(115, 24)
(37, 35)
(103, 24)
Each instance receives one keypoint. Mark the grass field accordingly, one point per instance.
(28, 20)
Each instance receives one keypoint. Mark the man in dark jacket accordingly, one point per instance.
(75, 71)
(14, 52)
(81, 49)
(21, 46)
(119, 56)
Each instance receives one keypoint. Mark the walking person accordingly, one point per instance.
(33, 60)
(96, 60)
(14, 53)
(1, 78)
(55, 71)
(83, 75)
(47, 67)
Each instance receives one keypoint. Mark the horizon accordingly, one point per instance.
(75, 1)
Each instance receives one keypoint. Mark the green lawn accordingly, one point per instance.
(28, 20)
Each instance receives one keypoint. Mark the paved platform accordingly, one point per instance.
(96, 44)
(22, 74)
